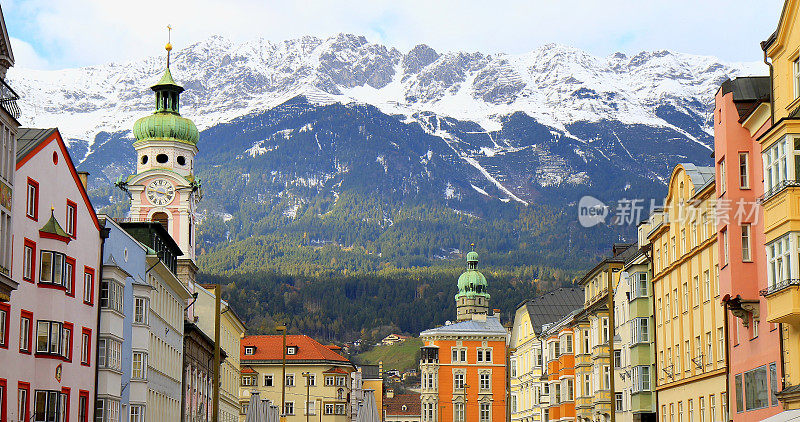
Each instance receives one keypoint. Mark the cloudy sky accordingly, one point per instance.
(55, 34)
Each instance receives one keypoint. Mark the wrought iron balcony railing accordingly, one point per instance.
(775, 288)
(8, 99)
(777, 188)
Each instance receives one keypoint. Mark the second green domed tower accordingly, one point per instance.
(472, 297)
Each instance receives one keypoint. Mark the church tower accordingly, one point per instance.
(164, 188)
(472, 297)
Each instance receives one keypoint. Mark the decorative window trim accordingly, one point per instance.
(88, 350)
(88, 271)
(70, 227)
(28, 315)
(35, 185)
(5, 308)
(32, 275)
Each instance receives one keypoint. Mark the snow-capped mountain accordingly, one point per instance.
(554, 84)
(317, 136)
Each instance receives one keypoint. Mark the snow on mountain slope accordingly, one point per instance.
(554, 84)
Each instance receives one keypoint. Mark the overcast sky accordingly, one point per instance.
(55, 34)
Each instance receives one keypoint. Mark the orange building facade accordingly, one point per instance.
(559, 352)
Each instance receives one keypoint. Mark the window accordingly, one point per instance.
(248, 380)
(568, 341)
(458, 409)
(4, 324)
(139, 368)
(69, 276)
(310, 408)
(641, 378)
(667, 314)
(484, 381)
(796, 77)
(484, 355)
(106, 410)
(752, 389)
(137, 413)
(48, 337)
(23, 413)
(585, 343)
(291, 350)
(86, 343)
(775, 166)
(140, 307)
(28, 254)
(617, 358)
(109, 354)
(341, 381)
(32, 202)
(723, 401)
(685, 297)
(66, 344)
(290, 380)
(485, 412)
(570, 389)
(618, 402)
(639, 285)
(312, 380)
(712, 407)
(53, 269)
(330, 380)
(458, 380)
(249, 350)
(268, 380)
(744, 171)
(773, 385)
(746, 243)
(340, 409)
(329, 409)
(606, 377)
(659, 314)
(46, 405)
(587, 389)
(720, 345)
(709, 349)
(725, 256)
(88, 286)
(706, 286)
(605, 330)
(691, 410)
(702, 403)
(70, 220)
(513, 368)
(696, 297)
(288, 408)
(111, 295)
(675, 308)
(722, 174)
(83, 406)
(680, 411)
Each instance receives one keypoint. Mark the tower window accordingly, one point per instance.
(161, 158)
(181, 160)
(144, 159)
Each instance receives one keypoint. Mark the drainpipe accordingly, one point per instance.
(104, 233)
(783, 369)
(648, 255)
(771, 89)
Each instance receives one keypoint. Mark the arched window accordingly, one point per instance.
(340, 393)
(161, 217)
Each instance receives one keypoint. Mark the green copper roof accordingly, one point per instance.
(472, 283)
(166, 125)
(52, 226)
(166, 80)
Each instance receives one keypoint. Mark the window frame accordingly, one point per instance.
(25, 316)
(744, 170)
(86, 346)
(49, 344)
(29, 260)
(71, 224)
(5, 325)
(32, 186)
(88, 281)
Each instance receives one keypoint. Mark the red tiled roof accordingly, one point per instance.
(268, 347)
(394, 405)
(334, 347)
(248, 370)
(336, 370)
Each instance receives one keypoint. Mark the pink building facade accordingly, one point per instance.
(753, 343)
(47, 355)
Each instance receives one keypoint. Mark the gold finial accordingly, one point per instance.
(168, 47)
(473, 247)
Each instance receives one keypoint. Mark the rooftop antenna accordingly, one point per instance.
(168, 47)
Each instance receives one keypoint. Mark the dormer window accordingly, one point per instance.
(249, 350)
(291, 350)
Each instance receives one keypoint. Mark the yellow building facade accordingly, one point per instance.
(689, 319)
(526, 369)
(780, 146)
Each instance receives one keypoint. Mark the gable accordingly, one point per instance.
(786, 23)
(6, 55)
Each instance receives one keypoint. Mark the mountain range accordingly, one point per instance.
(340, 154)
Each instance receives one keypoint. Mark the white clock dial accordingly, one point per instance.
(160, 192)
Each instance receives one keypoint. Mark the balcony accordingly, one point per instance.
(8, 100)
(778, 188)
(783, 302)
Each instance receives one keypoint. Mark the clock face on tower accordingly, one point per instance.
(160, 192)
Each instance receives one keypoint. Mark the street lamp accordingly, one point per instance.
(282, 329)
(307, 375)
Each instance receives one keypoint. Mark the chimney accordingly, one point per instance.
(84, 176)
(389, 393)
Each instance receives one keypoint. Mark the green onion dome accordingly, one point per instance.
(166, 122)
(471, 282)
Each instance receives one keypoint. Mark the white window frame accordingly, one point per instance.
(140, 310)
(139, 359)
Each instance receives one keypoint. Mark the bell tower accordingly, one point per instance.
(472, 297)
(164, 188)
